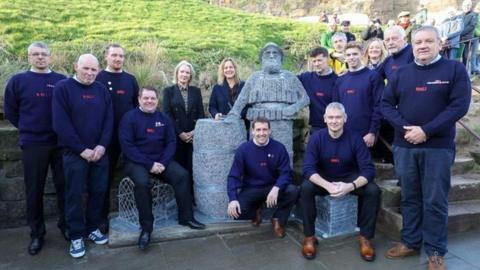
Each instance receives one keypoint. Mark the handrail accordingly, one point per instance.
(476, 89)
(467, 128)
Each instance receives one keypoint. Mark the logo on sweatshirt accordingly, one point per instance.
(42, 94)
(150, 130)
(263, 164)
(334, 160)
(394, 67)
(350, 91)
(159, 124)
(319, 93)
(439, 82)
(421, 89)
(49, 85)
(121, 92)
(270, 155)
(88, 96)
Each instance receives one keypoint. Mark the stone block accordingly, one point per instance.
(12, 153)
(336, 216)
(12, 189)
(8, 137)
(12, 169)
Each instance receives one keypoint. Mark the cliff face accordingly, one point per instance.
(383, 9)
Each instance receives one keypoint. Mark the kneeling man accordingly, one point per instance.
(261, 173)
(336, 163)
(147, 139)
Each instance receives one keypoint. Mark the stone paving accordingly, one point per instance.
(256, 249)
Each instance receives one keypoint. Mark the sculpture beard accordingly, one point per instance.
(271, 65)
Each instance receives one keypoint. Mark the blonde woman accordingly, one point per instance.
(374, 54)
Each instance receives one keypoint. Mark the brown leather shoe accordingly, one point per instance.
(436, 263)
(309, 250)
(278, 229)
(399, 251)
(367, 251)
(258, 218)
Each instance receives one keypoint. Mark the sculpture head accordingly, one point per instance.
(271, 56)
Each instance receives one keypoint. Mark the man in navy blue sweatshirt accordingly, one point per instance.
(123, 88)
(360, 91)
(260, 174)
(28, 106)
(83, 120)
(398, 48)
(337, 162)
(319, 86)
(147, 137)
(423, 101)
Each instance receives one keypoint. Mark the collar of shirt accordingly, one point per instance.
(432, 62)
(357, 69)
(260, 145)
(113, 71)
(330, 71)
(48, 71)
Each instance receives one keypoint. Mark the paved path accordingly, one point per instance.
(248, 250)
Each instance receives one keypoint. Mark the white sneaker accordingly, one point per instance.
(97, 237)
(77, 248)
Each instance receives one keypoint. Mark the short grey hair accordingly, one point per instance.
(339, 35)
(398, 29)
(268, 45)
(184, 63)
(427, 28)
(336, 106)
(38, 44)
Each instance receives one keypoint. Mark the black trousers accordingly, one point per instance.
(251, 198)
(36, 160)
(176, 176)
(368, 206)
(114, 150)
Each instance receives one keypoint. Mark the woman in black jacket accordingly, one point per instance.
(183, 103)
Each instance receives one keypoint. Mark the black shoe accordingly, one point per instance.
(35, 245)
(143, 240)
(193, 224)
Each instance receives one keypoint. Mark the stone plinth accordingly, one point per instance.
(213, 151)
(336, 216)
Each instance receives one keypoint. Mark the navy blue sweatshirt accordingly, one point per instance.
(82, 115)
(124, 90)
(433, 97)
(320, 91)
(360, 92)
(259, 166)
(28, 106)
(146, 138)
(394, 61)
(221, 100)
(343, 159)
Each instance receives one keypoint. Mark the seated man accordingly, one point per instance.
(261, 173)
(147, 138)
(337, 162)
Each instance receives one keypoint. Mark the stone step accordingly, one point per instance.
(462, 216)
(8, 135)
(463, 164)
(463, 187)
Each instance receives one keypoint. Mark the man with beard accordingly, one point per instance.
(319, 86)
(123, 88)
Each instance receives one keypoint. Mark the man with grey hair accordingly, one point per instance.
(336, 163)
(398, 48)
(424, 147)
(336, 59)
(83, 121)
(28, 106)
(274, 93)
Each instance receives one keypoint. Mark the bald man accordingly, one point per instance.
(83, 121)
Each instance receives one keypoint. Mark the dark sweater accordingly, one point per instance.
(82, 115)
(393, 62)
(433, 97)
(147, 138)
(221, 100)
(338, 160)
(259, 166)
(320, 91)
(124, 90)
(360, 92)
(28, 106)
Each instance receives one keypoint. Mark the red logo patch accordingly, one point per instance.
(350, 91)
(121, 92)
(150, 130)
(41, 94)
(263, 164)
(88, 96)
(394, 67)
(319, 94)
(421, 88)
(334, 160)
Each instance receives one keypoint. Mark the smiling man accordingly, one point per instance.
(360, 91)
(423, 101)
(28, 106)
(337, 163)
(83, 120)
(147, 137)
(400, 51)
(123, 88)
(261, 173)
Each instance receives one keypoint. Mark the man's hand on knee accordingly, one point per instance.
(234, 209)
(272, 197)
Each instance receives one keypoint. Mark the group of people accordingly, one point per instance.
(79, 126)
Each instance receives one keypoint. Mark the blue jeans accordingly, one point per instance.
(80, 174)
(425, 176)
